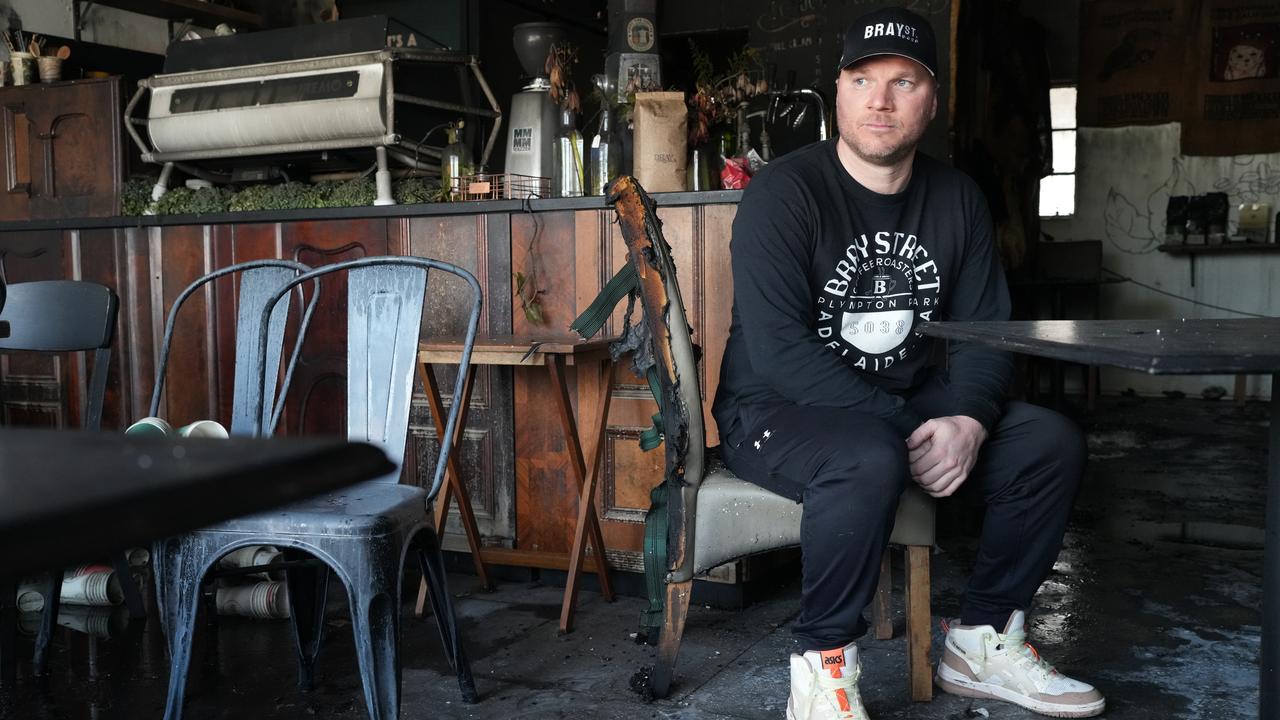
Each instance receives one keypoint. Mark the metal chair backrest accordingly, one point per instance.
(259, 281)
(65, 316)
(384, 322)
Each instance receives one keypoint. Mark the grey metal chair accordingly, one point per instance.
(259, 281)
(363, 533)
(56, 316)
(713, 517)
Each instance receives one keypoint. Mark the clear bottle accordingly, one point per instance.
(605, 155)
(455, 160)
(567, 161)
(702, 172)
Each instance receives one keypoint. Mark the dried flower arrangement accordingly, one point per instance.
(715, 99)
(559, 67)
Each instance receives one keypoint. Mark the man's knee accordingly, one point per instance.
(1052, 443)
(871, 463)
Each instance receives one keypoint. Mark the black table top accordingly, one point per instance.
(67, 496)
(1188, 347)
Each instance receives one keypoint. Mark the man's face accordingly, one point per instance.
(883, 105)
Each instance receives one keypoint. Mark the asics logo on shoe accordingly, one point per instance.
(837, 660)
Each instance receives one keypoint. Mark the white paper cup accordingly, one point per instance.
(267, 599)
(97, 587)
(250, 556)
(30, 597)
(203, 429)
(150, 427)
(138, 557)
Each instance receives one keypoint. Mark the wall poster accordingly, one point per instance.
(1235, 102)
(1132, 55)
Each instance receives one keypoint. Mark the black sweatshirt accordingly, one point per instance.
(830, 278)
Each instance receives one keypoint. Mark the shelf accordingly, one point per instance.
(1238, 248)
(1226, 249)
(468, 207)
(204, 14)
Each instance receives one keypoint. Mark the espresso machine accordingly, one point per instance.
(533, 113)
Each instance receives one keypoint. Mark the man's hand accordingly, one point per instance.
(942, 451)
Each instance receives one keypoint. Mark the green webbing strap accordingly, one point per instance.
(655, 564)
(593, 318)
(655, 520)
(652, 437)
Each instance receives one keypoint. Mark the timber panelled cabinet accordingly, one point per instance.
(512, 455)
(63, 150)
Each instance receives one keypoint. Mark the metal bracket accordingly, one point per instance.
(82, 15)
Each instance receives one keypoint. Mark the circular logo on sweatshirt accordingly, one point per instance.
(868, 307)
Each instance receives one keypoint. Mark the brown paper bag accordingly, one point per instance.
(661, 141)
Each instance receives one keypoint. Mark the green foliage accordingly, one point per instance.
(136, 195)
(285, 196)
(704, 70)
(746, 61)
(415, 190)
(185, 201)
(529, 302)
(353, 193)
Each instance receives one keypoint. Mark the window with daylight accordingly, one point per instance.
(1058, 191)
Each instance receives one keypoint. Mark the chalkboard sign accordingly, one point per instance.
(801, 41)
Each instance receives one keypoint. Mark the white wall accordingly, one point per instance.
(104, 25)
(1124, 179)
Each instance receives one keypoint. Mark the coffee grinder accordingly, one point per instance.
(533, 112)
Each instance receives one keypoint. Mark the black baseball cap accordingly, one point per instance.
(890, 31)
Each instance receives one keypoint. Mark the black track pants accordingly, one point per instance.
(849, 468)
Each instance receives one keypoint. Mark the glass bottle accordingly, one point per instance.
(566, 158)
(455, 160)
(605, 154)
(702, 173)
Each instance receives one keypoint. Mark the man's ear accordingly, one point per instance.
(934, 112)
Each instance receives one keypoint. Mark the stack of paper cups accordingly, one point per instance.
(267, 599)
(250, 556)
(91, 585)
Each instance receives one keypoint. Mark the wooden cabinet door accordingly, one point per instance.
(15, 138)
(75, 149)
(482, 244)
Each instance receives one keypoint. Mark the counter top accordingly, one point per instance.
(470, 207)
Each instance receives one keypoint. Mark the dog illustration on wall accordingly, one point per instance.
(1245, 61)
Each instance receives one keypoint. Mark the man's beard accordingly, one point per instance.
(885, 156)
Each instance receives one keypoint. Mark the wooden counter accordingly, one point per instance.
(514, 461)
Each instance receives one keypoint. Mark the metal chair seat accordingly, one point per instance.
(367, 509)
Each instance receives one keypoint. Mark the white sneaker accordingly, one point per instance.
(824, 685)
(981, 663)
